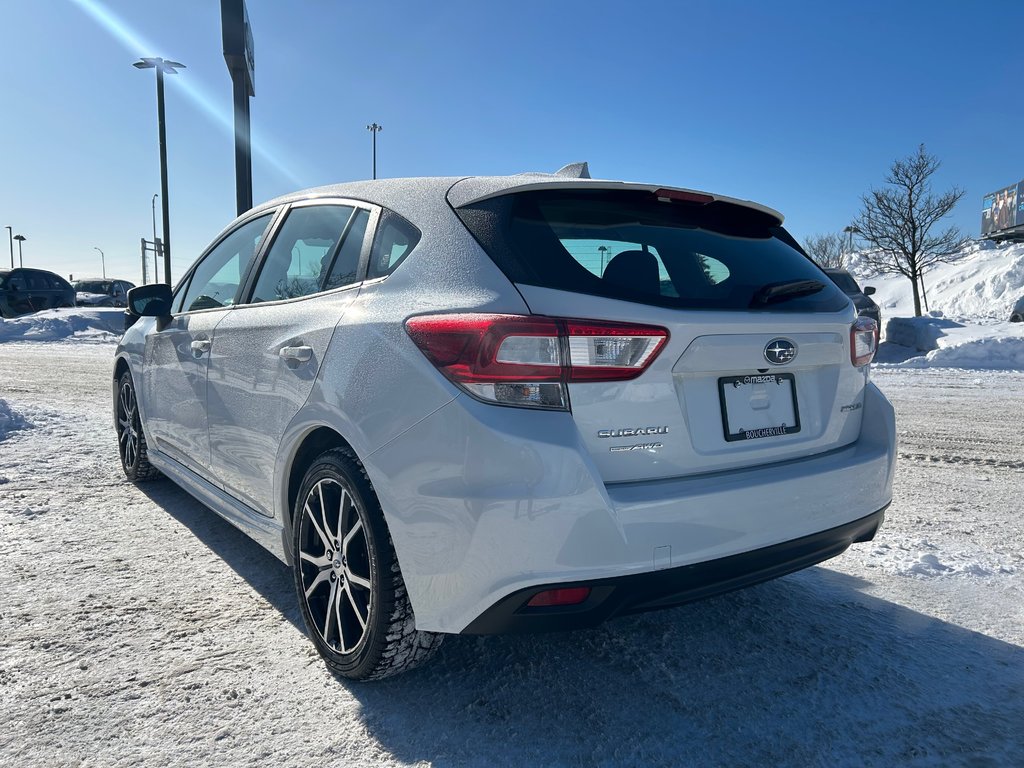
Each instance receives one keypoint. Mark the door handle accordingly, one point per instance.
(296, 354)
(200, 347)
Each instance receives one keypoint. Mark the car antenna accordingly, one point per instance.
(574, 171)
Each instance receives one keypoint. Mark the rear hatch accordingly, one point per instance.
(756, 367)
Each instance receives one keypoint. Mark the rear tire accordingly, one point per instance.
(1016, 319)
(131, 440)
(347, 579)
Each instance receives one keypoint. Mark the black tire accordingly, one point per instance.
(357, 592)
(1016, 318)
(131, 440)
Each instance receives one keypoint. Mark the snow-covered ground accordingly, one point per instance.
(138, 628)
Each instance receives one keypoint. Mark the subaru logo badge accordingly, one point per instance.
(779, 351)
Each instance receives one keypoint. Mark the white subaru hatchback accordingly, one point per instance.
(504, 404)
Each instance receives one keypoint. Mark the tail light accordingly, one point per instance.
(527, 360)
(863, 341)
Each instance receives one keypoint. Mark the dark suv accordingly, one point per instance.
(30, 290)
(848, 285)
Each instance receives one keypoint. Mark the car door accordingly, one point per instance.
(19, 295)
(173, 385)
(267, 353)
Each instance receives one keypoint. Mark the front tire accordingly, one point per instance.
(347, 579)
(131, 441)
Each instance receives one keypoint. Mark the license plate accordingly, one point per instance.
(759, 405)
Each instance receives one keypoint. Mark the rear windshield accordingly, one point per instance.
(630, 245)
(93, 286)
(845, 282)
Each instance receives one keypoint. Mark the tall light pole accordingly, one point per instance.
(103, 261)
(170, 67)
(10, 234)
(604, 251)
(21, 239)
(156, 252)
(374, 128)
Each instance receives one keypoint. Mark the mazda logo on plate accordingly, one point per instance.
(779, 351)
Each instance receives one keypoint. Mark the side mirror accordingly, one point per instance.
(869, 290)
(152, 300)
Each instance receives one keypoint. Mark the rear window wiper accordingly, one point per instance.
(772, 293)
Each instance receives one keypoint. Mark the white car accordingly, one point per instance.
(502, 404)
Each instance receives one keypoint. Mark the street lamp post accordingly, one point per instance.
(21, 239)
(10, 234)
(374, 128)
(103, 261)
(156, 251)
(171, 67)
(604, 251)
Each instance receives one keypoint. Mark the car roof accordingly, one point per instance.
(408, 196)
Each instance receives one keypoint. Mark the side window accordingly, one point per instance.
(302, 252)
(345, 269)
(396, 237)
(216, 279)
(17, 282)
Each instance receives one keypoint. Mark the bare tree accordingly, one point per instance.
(896, 223)
(826, 250)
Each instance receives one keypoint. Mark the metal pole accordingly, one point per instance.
(243, 156)
(143, 260)
(103, 261)
(163, 174)
(20, 239)
(10, 234)
(156, 253)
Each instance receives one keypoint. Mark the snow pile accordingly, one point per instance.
(985, 283)
(10, 420)
(925, 560)
(922, 333)
(988, 345)
(79, 324)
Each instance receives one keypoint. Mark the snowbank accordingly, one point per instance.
(983, 284)
(78, 324)
(950, 343)
(10, 420)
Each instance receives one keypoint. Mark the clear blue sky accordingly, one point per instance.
(799, 105)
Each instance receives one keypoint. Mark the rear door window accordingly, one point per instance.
(631, 245)
(302, 253)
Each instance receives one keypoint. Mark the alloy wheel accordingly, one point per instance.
(128, 426)
(335, 566)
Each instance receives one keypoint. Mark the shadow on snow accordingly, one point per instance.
(804, 670)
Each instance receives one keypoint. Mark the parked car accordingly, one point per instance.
(24, 290)
(865, 306)
(507, 404)
(1017, 313)
(101, 292)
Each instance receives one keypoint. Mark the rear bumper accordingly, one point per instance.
(487, 503)
(663, 589)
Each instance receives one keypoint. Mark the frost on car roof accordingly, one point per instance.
(421, 195)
